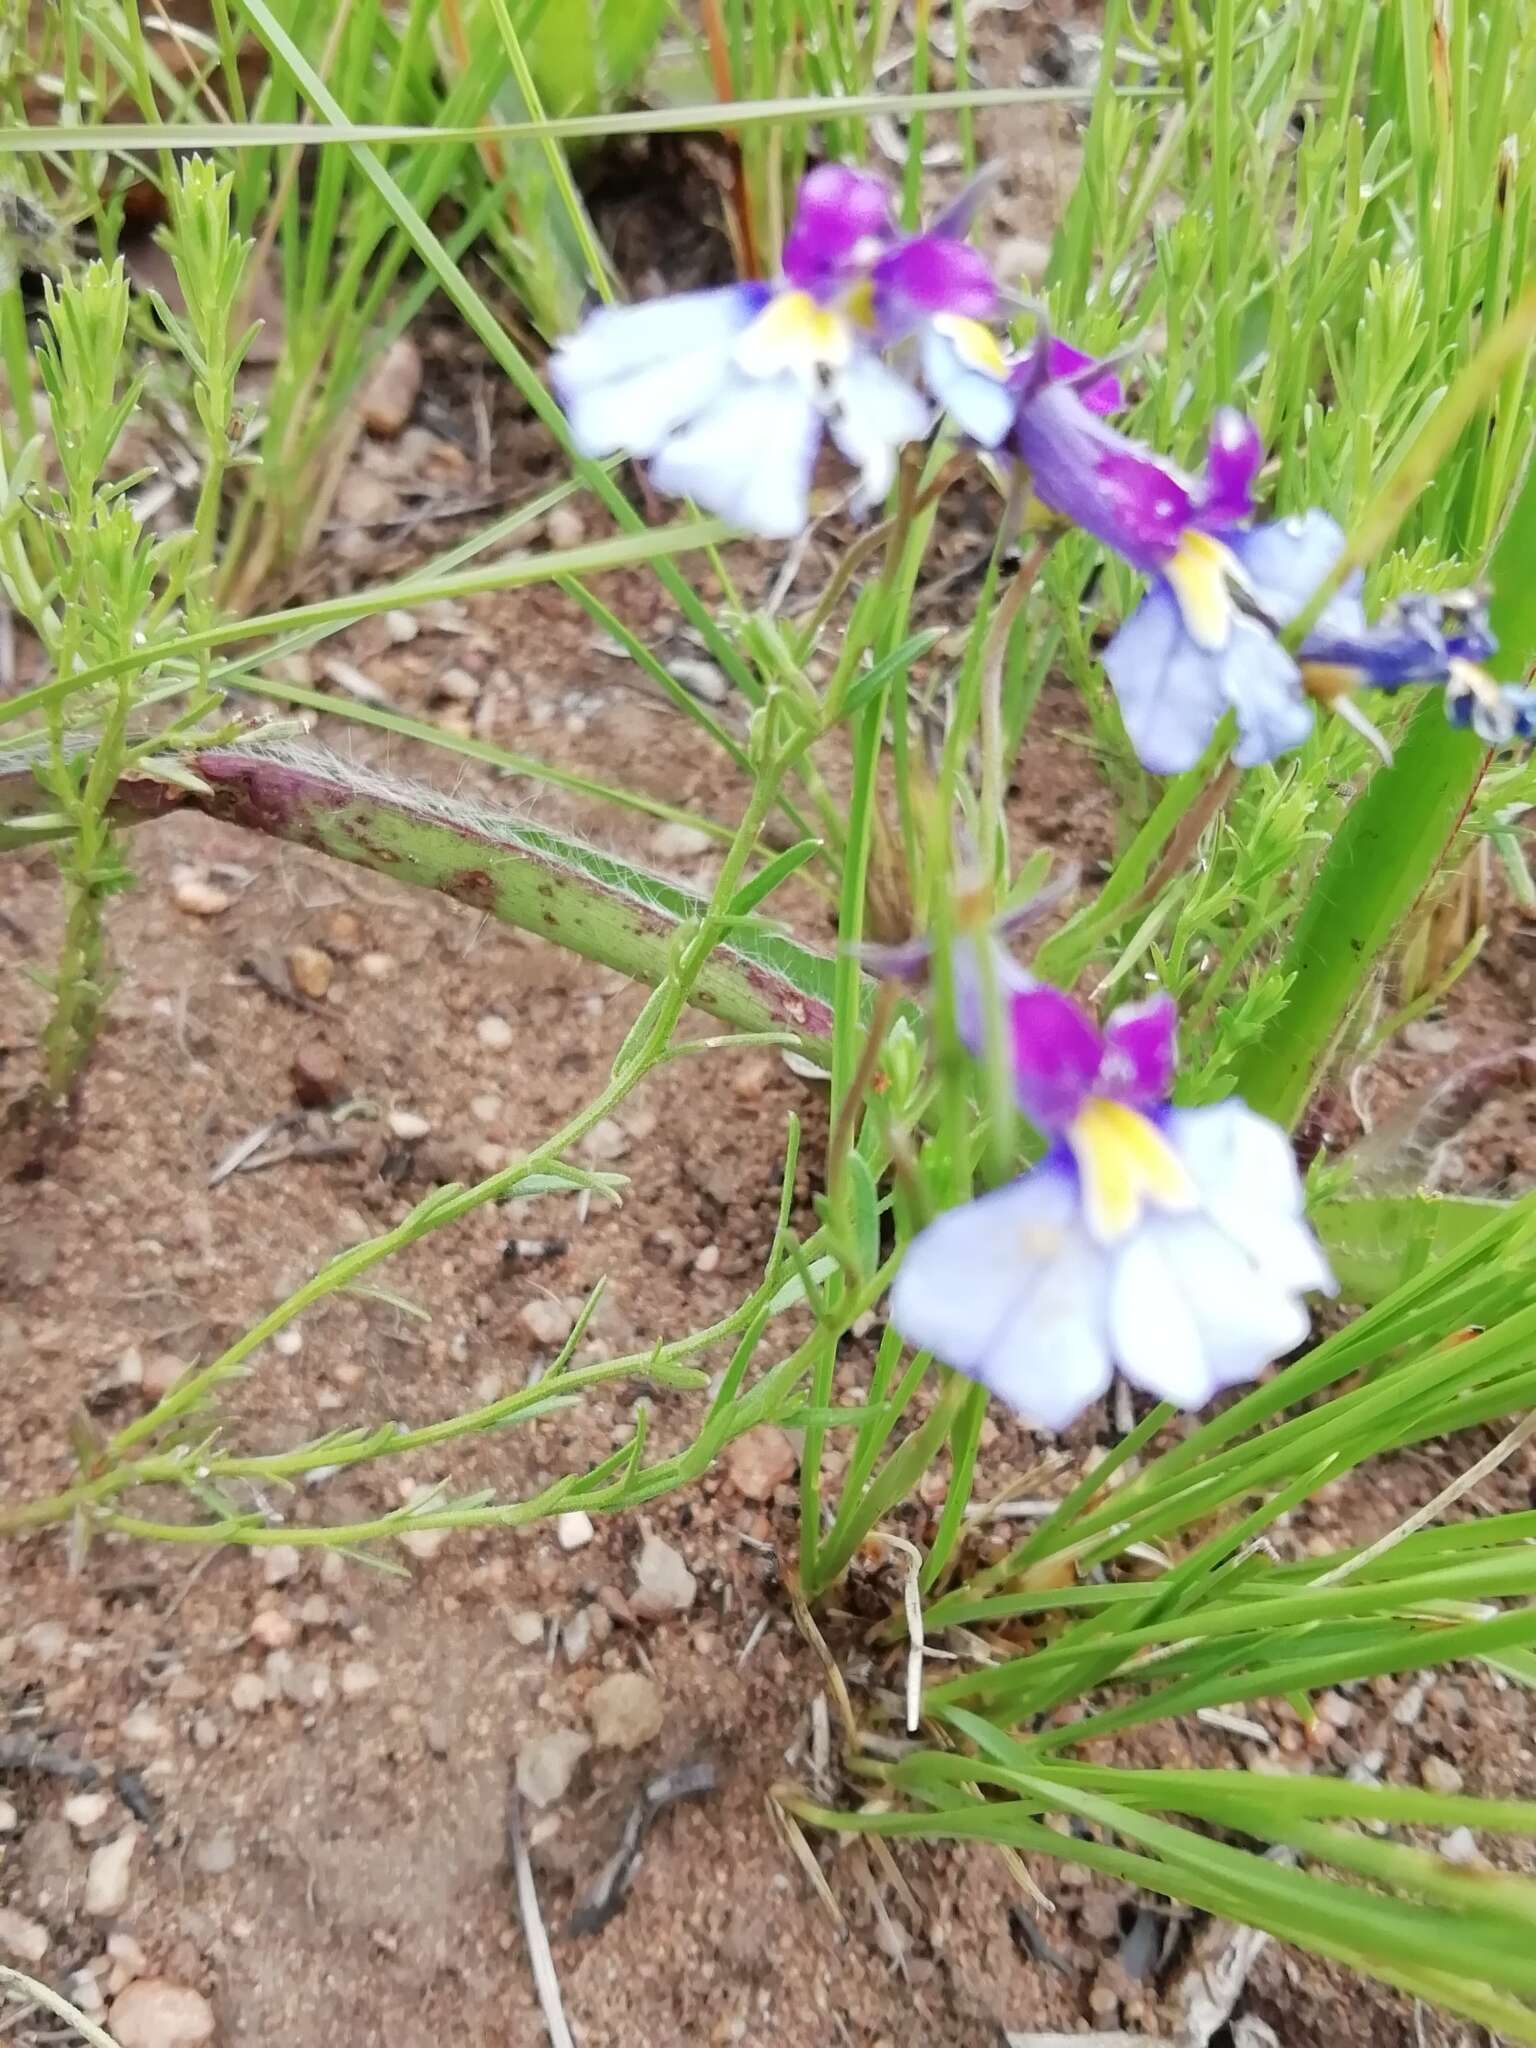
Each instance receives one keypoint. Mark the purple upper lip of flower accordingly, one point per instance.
(843, 219)
(845, 232)
(1090, 473)
(1062, 1059)
(935, 273)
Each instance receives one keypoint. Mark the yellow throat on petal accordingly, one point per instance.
(793, 333)
(1202, 574)
(1124, 1163)
(976, 346)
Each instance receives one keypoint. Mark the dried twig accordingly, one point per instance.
(545, 1983)
(247, 1147)
(606, 1894)
(40, 1994)
(793, 1836)
(25, 1753)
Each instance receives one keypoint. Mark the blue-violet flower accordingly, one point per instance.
(729, 393)
(1168, 1242)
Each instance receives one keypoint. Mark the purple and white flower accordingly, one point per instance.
(1205, 638)
(1167, 1243)
(1202, 641)
(729, 393)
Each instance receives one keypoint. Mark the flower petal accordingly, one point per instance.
(963, 1276)
(1287, 560)
(1156, 1339)
(1057, 1053)
(636, 412)
(979, 403)
(937, 274)
(1050, 1358)
(1094, 476)
(1099, 394)
(749, 457)
(1263, 684)
(875, 413)
(619, 340)
(840, 214)
(1231, 464)
(1142, 1051)
(1246, 1318)
(1245, 1173)
(1169, 690)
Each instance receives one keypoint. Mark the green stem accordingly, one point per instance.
(749, 974)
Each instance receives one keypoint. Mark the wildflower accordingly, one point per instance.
(729, 392)
(1169, 1243)
(1499, 713)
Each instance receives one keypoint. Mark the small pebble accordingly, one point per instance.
(495, 1034)
(1439, 1775)
(700, 679)
(485, 1109)
(565, 527)
(316, 1073)
(272, 1630)
(310, 971)
(526, 1626)
(45, 1641)
(547, 1764)
(279, 1564)
(761, 1461)
(707, 1260)
(87, 1810)
(408, 1126)
(155, 2013)
(343, 938)
(750, 1080)
(248, 1695)
(574, 1529)
(680, 842)
(605, 1141)
(663, 1583)
(378, 966)
(402, 627)
(303, 1682)
(144, 1726)
(127, 1954)
(162, 1369)
(218, 1854)
(357, 1678)
(24, 1940)
(205, 1732)
(1459, 1847)
(588, 1629)
(106, 1876)
(458, 686)
(83, 1990)
(389, 394)
(196, 895)
(10, 1819)
(626, 1711)
(547, 1321)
